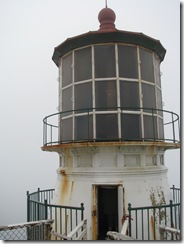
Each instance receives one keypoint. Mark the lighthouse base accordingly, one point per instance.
(107, 178)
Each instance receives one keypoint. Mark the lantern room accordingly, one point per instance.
(109, 85)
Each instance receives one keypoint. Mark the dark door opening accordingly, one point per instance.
(107, 210)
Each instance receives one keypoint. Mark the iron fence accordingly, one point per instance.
(175, 194)
(144, 222)
(39, 206)
(53, 133)
(32, 231)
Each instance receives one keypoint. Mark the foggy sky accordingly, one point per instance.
(30, 29)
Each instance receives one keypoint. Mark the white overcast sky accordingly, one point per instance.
(29, 31)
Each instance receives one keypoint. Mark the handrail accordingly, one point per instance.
(51, 132)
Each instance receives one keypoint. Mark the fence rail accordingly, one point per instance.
(32, 231)
(39, 207)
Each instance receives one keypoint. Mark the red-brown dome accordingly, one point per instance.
(107, 18)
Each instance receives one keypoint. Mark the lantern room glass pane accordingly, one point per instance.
(147, 73)
(67, 100)
(127, 56)
(106, 127)
(161, 128)
(66, 130)
(131, 127)
(149, 99)
(159, 101)
(83, 128)
(106, 94)
(129, 94)
(105, 61)
(67, 70)
(83, 64)
(83, 96)
(150, 127)
(157, 72)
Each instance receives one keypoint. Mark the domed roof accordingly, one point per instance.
(106, 18)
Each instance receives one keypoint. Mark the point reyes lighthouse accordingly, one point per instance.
(109, 131)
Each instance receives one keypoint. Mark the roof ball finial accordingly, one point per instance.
(106, 18)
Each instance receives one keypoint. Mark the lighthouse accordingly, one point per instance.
(109, 130)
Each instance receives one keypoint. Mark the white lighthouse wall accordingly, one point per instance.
(140, 172)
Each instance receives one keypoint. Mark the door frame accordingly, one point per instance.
(95, 214)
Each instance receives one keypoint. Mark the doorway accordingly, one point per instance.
(107, 206)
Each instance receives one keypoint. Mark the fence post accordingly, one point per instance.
(28, 206)
(46, 212)
(82, 211)
(129, 226)
(38, 205)
(171, 218)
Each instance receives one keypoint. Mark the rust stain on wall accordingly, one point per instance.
(151, 150)
(152, 227)
(64, 187)
(94, 213)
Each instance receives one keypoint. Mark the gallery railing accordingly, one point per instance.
(163, 125)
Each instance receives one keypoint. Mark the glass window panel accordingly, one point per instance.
(159, 101)
(105, 61)
(106, 127)
(127, 56)
(67, 100)
(131, 127)
(146, 65)
(84, 128)
(150, 127)
(66, 130)
(161, 128)
(149, 99)
(106, 95)
(67, 70)
(83, 96)
(83, 64)
(129, 94)
(157, 72)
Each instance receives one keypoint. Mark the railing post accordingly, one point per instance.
(171, 218)
(173, 193)
(51, 134)
(45, 133)
(82, 211)
(173, 128)
(129, 226)
(28, 206)
(46, 211)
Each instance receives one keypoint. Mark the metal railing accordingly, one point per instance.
(32, 231)
(175, 194)
(53, 134)
(39, 207)
(144, 222)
